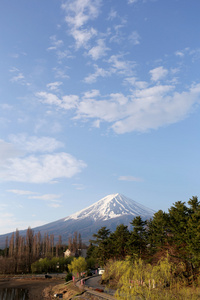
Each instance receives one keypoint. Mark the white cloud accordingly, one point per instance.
(60, 73)
(17, 78)
(21, 192)
(112, 15)
(158, 73)
(51, 199)
(148, 106)
(7, 151)
(105, 110)
(129, 178)
(132, 1)
(179, 53)
(145, 109)
(136, 83)
(66, 102)
(98, 51)
(117, 65)
(41, 169)
(19, 166)
(135, 38)
(46, 197)
(54, 85)
(121, 66)
(35, 144)
(82, 36)
(91, 94)
(99, 72)
(78, 13)
(55, 43)
(157, 108)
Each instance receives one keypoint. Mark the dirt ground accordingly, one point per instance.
(38, 288)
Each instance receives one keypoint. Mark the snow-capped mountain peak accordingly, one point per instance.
(112, 206)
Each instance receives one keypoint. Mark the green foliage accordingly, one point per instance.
(118, 241)
(139, 280)
(91, 263)
(158, 230)
(137, 243)
(46, 265)
(78, 265)
(101, 246)
(177, 232)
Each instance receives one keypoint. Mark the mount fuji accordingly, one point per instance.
(110, 211)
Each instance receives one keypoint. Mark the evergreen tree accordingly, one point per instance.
(137, 243)
(118, 242)
(158, 231)
(102, 246)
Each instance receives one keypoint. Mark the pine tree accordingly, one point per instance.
(102, 246)
(118, 242)
(137, 243)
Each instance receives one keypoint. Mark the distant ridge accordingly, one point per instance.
(110, 211)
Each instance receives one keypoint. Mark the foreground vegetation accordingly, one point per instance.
(150, 259)
(140, 280)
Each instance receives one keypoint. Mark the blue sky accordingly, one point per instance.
(97, 97)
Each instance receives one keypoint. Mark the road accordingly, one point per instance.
(94, 282)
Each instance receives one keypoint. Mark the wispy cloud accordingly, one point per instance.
(99, 50)
(99, 72)
(53, 86)
(130, 178)
(132, 1)
(112, 14)
(50, 199)
(121, 66)
(116, 65)
(21, 192)
(66, 102)
(19, 77)
(79, 186)
(134, 37)
(33, 144)
(46, 197)
(60, 73)
(78, 14)
(158, 73)
(55, 43)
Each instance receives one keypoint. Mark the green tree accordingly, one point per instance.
(102, 246)
(78, 265)
(158, 231)
(178, 217)
(118, 242)
(137, 243)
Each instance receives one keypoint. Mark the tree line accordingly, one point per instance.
(22, 251)
(176, 233)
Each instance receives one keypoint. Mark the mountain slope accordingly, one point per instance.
(109, 211)
(112, 206)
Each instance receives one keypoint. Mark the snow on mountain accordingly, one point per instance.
(109, 211)
(110, 207)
